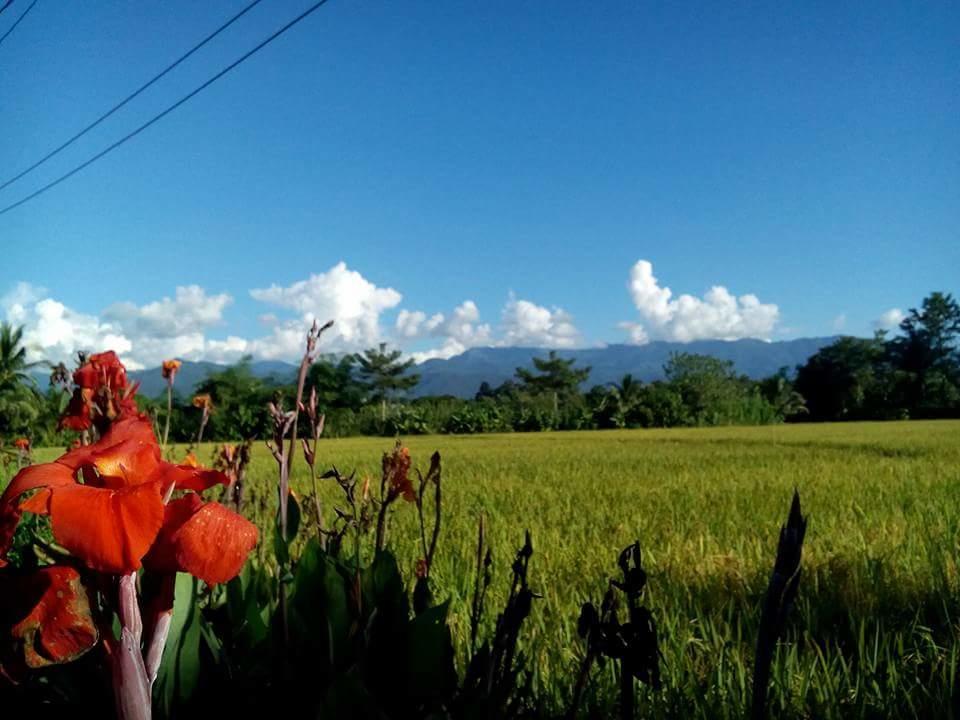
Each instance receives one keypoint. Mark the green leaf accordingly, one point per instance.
(180, 667)
(382, 586)
(319, 604)
(293, 517)
(429, 661)
(281, 544)
(348, 697)
(244, 607)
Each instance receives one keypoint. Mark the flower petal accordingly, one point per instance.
(204, 539)
(50, 615)
(127, 454)
(162, 557)
(45, 475)
(186, 477)
(110, 530)
(38, 503)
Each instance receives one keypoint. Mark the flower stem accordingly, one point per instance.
(131, 685)
(166, 426)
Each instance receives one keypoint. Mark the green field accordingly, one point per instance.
(874, 629)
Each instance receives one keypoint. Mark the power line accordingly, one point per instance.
(17, 21)
(132, 95)
(169, 110)
(7, 4)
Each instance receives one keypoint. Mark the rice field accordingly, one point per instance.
(874, 631)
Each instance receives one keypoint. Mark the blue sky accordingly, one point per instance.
(520, 156)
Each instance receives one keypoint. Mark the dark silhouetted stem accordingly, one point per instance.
(581, 683)
(781, 592)
(626, 690)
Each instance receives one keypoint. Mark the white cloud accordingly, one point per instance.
(528, 324)
(719, 314)
(459, 331)
(339, 294)
(638, 336)
(409, 323)
(890, 320)
(55, 332)
(190, 311)
(839, 322)
(142, 335)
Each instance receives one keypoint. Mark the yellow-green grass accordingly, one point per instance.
(874, 630)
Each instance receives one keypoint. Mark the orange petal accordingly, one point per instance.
(51, 617)
(110, 530)
(214, 543)
(36, 476)
(127, 454)
(38, 503)
(49, 475)
(77, 415)
(187, 477)
(163, 555)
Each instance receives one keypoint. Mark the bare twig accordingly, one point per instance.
(310, 455)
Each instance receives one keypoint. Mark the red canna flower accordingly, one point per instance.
(111, 519)
(169, 369)
(396, 471)
(101, 394)
(421, 569)
(22, 444)
(204, 539)
(48, 613)
(109, 506)
(203, 402)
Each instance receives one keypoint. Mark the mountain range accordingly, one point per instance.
(462, 374)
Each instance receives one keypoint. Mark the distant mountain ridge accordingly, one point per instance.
(461, 375)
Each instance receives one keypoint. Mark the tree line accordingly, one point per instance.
(911, 375)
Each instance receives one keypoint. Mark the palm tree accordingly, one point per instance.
(18, 401)
(13, 358)
(628, 389)
(621, 398)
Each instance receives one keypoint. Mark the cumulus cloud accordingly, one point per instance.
(415, 324)
(528, 324)
(717, 315)
(190, 311)
(459, 330)
(141, 335)
(55, 332)
(890, 320)
(340, 294)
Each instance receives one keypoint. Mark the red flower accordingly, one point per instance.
(111, 519)
(191, 529)
(48, 613)
(396, 471)
(169, 369)
(22, 444)
(421, 569)
(101, 394)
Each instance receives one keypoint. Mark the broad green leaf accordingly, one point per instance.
(429, 661)
(281, 544)
(319, 603)
(180, 667)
